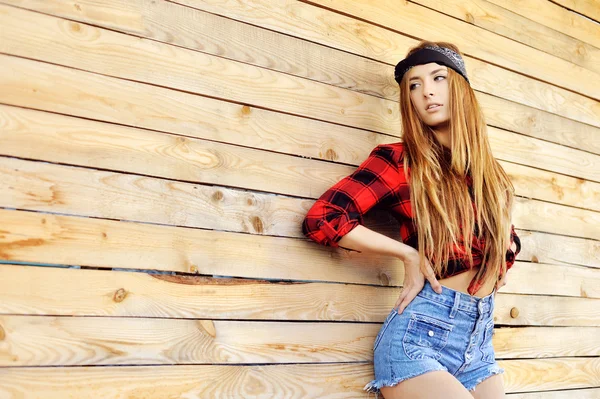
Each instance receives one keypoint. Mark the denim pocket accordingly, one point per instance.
(425, 337)
(385, 325)
(487, 346)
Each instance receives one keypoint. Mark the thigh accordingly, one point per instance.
(433, 384)
(490, 388)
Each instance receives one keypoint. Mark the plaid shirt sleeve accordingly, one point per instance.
(341, 208)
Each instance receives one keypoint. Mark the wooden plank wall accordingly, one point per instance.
(157, 159)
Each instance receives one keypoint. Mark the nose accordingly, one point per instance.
(427, 89)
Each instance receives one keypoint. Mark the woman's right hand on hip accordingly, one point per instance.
(414, 280)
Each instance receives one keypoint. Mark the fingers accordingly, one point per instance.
(405, 300)
(400, 299)
(430, 275)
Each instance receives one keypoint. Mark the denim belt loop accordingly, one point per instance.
(455, 307)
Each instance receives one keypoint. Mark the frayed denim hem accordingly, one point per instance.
(375, 385)
(493, 371)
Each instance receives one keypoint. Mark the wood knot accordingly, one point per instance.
(120, 295)
(193, 269)
(208, 327)
(514, 312)
(246, 110)
(331, 154)
(535, 259)
(2, 334)
(218, 196)
(384, 279)
(257, 224)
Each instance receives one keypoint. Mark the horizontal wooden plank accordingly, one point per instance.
(129, 57)
(53, 188)
(77, 341)
(555, 249)
(184, 29)
(546, 217)
(33, 237)
(519, 118)
(76, 141)
(553, 279)
(89, 341)
(310, 381)
(77, 292)
(264, 381)
(513, 25)
(545, 342)
(65, 240)
(118, 293)
(428, 24)
(589, 8)
(556, 17)
(530, 151)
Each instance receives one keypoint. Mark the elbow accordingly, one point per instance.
(312, 229)
(326, 224)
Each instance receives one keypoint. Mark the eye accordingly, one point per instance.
(412, 86)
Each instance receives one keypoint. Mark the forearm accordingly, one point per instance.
(365, 240)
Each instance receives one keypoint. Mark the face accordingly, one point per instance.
(428, 84)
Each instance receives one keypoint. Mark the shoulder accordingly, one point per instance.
(393, 152)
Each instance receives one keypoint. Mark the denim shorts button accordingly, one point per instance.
(430, 333)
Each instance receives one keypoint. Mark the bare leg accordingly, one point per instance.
(490, 388)
(433, 384)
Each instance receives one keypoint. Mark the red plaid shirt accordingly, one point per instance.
(380, 182)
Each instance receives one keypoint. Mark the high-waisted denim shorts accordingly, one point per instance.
(451, 331)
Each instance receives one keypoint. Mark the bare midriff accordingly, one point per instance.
(460, 282)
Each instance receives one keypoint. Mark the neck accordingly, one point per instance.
(442, 134)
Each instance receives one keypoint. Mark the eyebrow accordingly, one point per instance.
(436, 71)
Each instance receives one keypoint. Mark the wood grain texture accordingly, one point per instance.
(118, 293)
(32, 237)
(553, 15)
(191, 71)
(589, 8)
(486, 78)
(87, 341)
(268, 381)
(389, 46)
(520, 28)
(80, 341)
(416, 20)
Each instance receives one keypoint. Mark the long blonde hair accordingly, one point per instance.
(443, 208)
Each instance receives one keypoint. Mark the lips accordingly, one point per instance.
(432, 104)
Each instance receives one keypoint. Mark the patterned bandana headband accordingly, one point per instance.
(439, 55)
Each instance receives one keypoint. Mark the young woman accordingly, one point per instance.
(453, 202)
